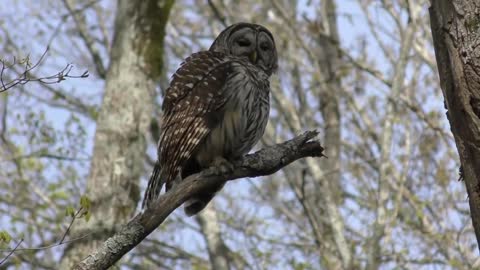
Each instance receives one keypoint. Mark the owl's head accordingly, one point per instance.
(249, 40)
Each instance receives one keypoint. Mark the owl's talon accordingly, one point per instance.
(221, 166)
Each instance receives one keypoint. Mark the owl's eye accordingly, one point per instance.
(244, 42)
(265, 46)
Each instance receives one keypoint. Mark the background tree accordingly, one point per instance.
(136, 62)
(362, 72)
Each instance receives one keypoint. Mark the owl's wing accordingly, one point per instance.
(195, 93)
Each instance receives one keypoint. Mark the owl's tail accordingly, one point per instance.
(154, 187)
(196, 204)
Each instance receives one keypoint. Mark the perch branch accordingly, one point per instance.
(264, 162)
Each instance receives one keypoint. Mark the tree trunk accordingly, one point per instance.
(210, 228)
(456, 35)
(328, 177)
(120, 144)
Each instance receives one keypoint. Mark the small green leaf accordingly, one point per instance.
(62, 195)
(70, 211)
(85, 202)
(87, 216)
(5, 237)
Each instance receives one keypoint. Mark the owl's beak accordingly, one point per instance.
(253, 57)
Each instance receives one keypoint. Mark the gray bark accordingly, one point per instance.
(263, 162)
(120, 144)
(456, 35)
(331, 190)
(210, 228)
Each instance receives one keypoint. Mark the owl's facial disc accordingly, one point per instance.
(255, 45)
(243, 43)
(265, 49)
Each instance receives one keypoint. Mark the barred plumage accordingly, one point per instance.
(216, 108)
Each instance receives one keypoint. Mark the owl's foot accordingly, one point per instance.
(221, 166)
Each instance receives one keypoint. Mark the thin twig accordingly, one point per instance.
(47, 246)
(70, 225)
(11, 252)
(24, 77)
(87, 38)
(217, 13)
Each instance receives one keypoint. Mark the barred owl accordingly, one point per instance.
(215, 110)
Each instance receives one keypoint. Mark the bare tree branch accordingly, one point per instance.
(80, 22)
(51, 244)
(263, 162)
(11, 252)
(25, 76)
(217, 13)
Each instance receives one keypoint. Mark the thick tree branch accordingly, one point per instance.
(264, 162)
